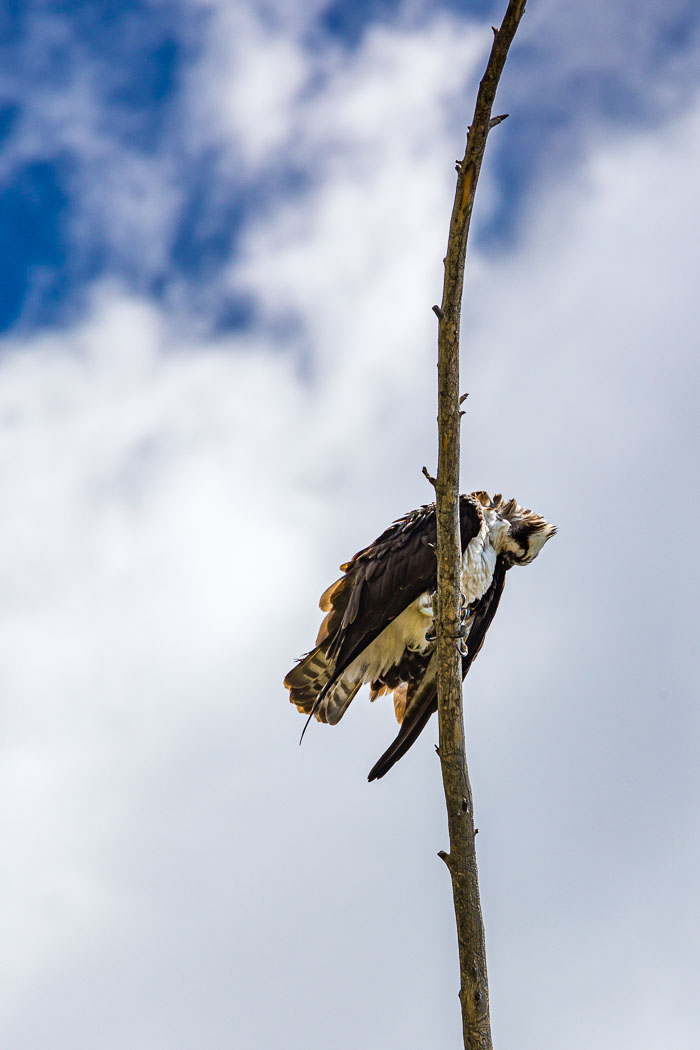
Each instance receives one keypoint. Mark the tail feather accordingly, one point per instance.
(308, 678)
(311, 691)
(336, 701)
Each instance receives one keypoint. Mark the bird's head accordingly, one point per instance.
(518, 534)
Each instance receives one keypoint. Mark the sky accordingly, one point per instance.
(223, 226)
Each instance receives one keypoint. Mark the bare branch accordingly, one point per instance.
(461, 860)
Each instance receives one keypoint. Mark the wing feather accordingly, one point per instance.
(378, 583)
(383, 579)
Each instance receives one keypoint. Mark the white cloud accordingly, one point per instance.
(246, 88)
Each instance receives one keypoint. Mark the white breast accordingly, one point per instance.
(478, 564)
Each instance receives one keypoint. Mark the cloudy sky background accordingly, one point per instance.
(222, 233)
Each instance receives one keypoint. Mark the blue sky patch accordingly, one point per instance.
(33, 253)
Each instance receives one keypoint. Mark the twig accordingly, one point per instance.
(461, 859)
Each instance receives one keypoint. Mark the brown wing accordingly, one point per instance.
(379, 582)
(421, 697)
(383, 579)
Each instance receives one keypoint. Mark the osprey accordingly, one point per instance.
(379, 618)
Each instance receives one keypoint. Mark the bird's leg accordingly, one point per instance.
(431, 634)
(465, 612)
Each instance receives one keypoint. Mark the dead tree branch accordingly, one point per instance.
(461, 859)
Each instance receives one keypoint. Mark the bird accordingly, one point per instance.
(379, 627)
